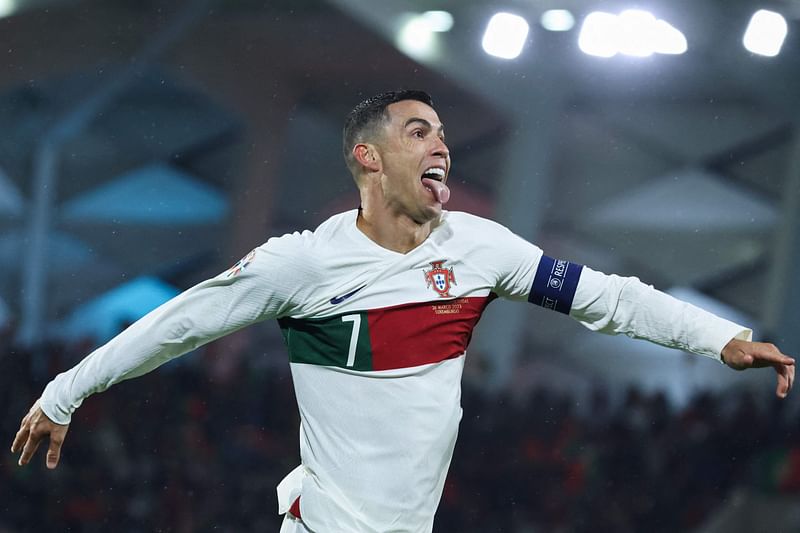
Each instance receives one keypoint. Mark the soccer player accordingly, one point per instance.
(377, 307)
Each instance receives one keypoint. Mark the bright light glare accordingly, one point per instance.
(636, 30)
(557, 20)
(439, 21)
(599, 35)
(7, 7)
(416, 38)
(667, 39)
(765, 33)
(633, 32)
(505, 35)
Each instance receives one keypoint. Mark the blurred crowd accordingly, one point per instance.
(182, 450)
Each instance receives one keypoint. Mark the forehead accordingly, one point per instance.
(401, 112)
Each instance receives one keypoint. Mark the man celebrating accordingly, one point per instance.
(377, 307)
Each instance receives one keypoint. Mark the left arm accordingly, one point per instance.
(614, 304)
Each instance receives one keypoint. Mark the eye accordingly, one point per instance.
(418, 134)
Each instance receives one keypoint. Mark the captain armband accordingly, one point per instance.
(554, 284)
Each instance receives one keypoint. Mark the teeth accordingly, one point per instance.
(435, 170)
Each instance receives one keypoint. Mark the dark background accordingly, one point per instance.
(148, 145)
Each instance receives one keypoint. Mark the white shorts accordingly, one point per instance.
(293, 525)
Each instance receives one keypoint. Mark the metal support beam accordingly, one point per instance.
(45, 167)
(524, 191)
(782, 315)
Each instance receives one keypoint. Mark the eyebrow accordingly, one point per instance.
(424, 123)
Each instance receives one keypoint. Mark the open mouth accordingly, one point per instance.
(433, 180)
(434, 173)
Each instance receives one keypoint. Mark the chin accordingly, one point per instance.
(429, 213)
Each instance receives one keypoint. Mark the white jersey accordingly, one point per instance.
(376, 341)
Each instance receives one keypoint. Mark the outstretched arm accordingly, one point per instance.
(177, 327)
(612, 304)
(255, 289)
(615, 305)
(740, 355)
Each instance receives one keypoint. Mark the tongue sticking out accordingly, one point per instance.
(439, 190)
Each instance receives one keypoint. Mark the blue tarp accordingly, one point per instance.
(106, 315)
(155, 194)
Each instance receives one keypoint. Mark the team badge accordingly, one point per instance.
(240, 265)
(440, 277)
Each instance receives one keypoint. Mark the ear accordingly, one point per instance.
(367, 156)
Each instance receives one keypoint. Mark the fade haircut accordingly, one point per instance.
(365, 120)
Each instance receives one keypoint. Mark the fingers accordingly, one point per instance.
(765, 354)
(787, 372)
(30, 448)
(782, 388)
(54, 451)
(24, 429)
(741, 355)
(21, 436)
(36, 426)
(785, 380)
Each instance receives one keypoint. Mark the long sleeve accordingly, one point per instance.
(612, 304)
(257, 288)
(608, 304)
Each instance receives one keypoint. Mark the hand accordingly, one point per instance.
(740, 355)
(34, 427)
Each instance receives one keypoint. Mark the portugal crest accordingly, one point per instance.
(440, 278)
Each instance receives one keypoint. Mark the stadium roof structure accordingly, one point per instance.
(681, 169)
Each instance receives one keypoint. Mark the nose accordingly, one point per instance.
(440, 149)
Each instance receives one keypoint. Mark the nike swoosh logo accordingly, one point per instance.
(339, 299)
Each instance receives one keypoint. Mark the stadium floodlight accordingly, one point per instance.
(667, 39)
(438, 21)
(557, 20)
(505, 35)
(7, 7)
(599, 36)
(417, 33)
(416, 37)
(633, 32)
(765, 33)
(636, 29)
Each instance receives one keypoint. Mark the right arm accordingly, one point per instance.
(207, 311)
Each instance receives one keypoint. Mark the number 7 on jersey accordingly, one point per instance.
(351, 352)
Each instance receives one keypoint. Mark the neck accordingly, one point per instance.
(392, 231)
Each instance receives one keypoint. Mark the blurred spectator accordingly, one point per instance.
(197, 451)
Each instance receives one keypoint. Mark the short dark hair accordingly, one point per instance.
(364, 119)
